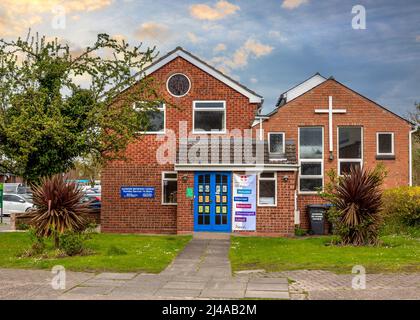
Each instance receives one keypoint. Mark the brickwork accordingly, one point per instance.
(362, 112)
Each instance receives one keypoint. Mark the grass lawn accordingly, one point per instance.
(142, 253)
(397, 253)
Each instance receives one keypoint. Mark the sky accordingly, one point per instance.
(269, 46)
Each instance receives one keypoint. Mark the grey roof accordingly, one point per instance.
(233, 151)
(202, 61)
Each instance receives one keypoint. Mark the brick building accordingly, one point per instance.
(215, 164)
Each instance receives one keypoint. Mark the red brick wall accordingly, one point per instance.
(142, 169)
(360, 112)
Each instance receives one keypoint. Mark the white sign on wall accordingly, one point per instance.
(244, 202)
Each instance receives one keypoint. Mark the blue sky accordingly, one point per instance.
(267, 45)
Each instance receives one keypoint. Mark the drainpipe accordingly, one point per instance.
(261, 132)
(410, 152)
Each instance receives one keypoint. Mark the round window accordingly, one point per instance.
(178, 85)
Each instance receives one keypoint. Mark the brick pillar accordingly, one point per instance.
(185, 208)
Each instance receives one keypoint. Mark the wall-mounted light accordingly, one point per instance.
(184, 178)
(285, 178)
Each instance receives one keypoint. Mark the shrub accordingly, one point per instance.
(37, 244)
(22, 226)
(401, 209)
(356, 199)
(72, 243)
(299, 232)
(59, 208)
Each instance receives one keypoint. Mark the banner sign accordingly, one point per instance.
(137, 192)
(244, 202)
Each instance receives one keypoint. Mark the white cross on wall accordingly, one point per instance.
(330, 112)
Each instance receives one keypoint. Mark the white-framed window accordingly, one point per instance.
(209, 117)
(311, 159)
(276, 143)
(169, 188)
(267, 189)
(350, 148)
(385, 143)
(156, 117)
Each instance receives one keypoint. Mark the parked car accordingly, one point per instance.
(14, 203)
(94, 200)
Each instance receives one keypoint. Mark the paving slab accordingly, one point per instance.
(226, 294)
(267, 294)
(185, 293)
(116, 276)
(197, 285)
(89, 291)
(268, 287)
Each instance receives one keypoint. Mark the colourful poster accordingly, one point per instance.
(244, 202)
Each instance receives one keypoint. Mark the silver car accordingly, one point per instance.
(16, 203)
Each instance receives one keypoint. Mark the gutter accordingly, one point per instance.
(410, 154)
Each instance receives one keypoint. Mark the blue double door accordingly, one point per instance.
(212, 201)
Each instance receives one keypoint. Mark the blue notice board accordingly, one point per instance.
(137, 192)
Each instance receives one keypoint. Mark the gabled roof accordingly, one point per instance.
(300, 89)
(180, 52)
(286, 98)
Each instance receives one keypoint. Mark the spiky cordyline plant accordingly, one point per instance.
(58, 207)
(357, 203)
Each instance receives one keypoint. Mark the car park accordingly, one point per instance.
(16, 203)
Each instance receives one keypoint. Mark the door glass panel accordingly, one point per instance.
(204, 199)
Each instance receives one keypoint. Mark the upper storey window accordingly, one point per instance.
(209, 116)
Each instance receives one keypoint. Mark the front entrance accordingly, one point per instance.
(212, 201)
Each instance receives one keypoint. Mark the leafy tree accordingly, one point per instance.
(89, 168)
(57, 105)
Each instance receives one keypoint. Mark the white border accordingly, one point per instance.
(392, 144)
(162, 186)
(269, 145)
(164, 121)
(275, 189)
(352, 159)
(189, 82)
(209, 109)
(311, 161)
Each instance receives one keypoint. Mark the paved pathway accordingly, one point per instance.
(325, 285)
(201, 271)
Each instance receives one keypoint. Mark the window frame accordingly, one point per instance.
(311, 160)
(210, 109)
(392, 144)
(163, 187)
(167, 82)
(275, 189)
(163, 107)
(355, 160)
(283, 142)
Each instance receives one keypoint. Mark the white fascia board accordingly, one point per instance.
(235, 167)
(304, 87)
(252, 97)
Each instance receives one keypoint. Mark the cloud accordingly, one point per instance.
(219, 47)
(277, 35)
(153, 31)
(250, 49)
(221, 10)
(418, 38)
(253, 80)
(193, 37)
(293, 4)
(17, 16)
